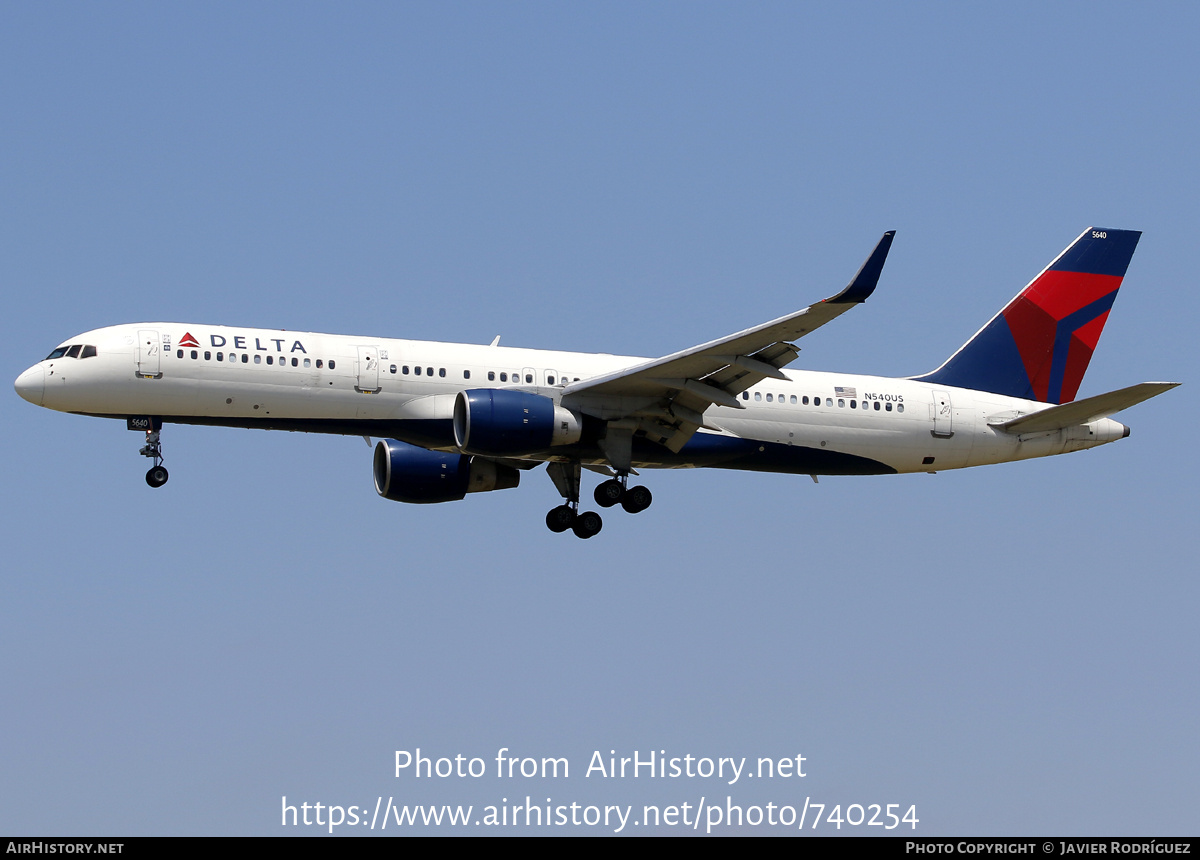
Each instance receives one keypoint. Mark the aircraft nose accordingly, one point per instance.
(31, 384)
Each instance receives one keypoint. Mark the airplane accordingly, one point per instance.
(454, 419)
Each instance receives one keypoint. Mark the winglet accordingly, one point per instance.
(863, 283)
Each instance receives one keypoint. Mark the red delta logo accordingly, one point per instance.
(188, 340)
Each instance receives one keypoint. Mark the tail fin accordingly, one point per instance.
(1039, 346)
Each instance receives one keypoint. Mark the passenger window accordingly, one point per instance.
(220, 356)
(768, 398)
(441, 371)
(207, 355)
(899, 407)
(392, 368)
(841, 403)
(246, 358)
(295, 361)
(528, 378)
(466, 374)
(888, 407)
(195, 354)
(745, 395)
(828, 401)
(853, 404)
(319, 363)
(417, 370)
(793, 398)
(429, 371)
(503, 377)
(270, 359)
(758, 395)
(308, 362)
(876, 405)
(178, 353)
(257, 358)
(804, 400)
(491, 376)
(549, 380)
(332, 364)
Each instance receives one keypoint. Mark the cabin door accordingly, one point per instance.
(943, 415)
(368, 370)
(149, 354)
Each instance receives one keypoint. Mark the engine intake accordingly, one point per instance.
(505, 423)
(406, 473)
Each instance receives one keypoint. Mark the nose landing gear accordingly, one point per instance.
(157, 475)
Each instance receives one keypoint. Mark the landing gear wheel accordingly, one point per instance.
(560, 519)
(609, 493)
(587, 524)
(157, 476)
(636, 500)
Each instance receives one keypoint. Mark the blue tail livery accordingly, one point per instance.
(1039, 346)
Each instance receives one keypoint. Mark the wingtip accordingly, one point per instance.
(863, 283)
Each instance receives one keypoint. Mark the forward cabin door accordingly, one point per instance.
(149, 354)
(368, 370)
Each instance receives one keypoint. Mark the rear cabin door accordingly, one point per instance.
(943, 415)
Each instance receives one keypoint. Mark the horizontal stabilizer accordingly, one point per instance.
(1085, 411)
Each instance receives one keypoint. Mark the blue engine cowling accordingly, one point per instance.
(501, 422)
(406, 473)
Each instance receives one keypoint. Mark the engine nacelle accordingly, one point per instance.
(500, 422)
(406, 473)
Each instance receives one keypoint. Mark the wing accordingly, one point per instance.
(666, 398)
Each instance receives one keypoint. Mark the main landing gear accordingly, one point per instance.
(157, 476)
(611, 492)
(614, 491)
(568, 517)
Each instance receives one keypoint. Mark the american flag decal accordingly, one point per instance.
(842, 391)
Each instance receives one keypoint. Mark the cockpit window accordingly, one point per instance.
(75, 350)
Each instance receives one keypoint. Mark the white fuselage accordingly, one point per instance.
(406, 388)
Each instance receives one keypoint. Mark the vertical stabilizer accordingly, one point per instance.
(1039, 346)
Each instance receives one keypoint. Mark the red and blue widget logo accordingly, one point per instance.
(1039, 346)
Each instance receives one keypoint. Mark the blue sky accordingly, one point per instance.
(1012, 649)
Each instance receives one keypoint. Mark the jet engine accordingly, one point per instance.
(505, 423)
(406, 473)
